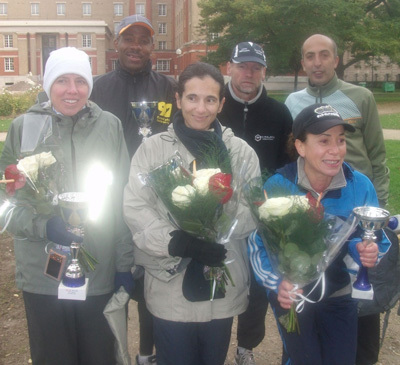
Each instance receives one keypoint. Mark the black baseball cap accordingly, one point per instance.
(248, 52)
(134, 20)
(317, 118)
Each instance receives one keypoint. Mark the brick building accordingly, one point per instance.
(31, 29)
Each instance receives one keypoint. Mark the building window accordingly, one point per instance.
(86, 40)
(163, 65)
(162, 45)
(61, 9)
(162, 28)
(34, 8)
(3, 8)
(162, 9)
(86, 9)
(118, 9)
(113, 64)
(9, 64)
(116, 24)
(8, 41)
(140, 9)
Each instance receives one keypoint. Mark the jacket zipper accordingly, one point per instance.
(245, 110)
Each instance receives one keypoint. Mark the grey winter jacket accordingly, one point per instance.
(92, 136)
(147, 218)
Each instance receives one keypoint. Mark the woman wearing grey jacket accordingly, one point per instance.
(79, 135)
(189, 332)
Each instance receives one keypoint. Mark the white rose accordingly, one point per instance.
(201, 180)
(182, 195)
(29, 166)
(301, 202)
(45, 159)
(176, 172)
(275, 207)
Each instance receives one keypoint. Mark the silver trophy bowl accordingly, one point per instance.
(74, 209)
(144, 113)
(371, 219)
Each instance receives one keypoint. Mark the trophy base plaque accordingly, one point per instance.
(362, 294)
(73, 293)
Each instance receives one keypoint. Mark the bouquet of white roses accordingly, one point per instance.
(300, 239)
(200, 202)
(37, 180)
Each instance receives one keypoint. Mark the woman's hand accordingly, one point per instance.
(284, 292)
(368, 253)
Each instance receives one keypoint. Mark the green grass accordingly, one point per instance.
(390, 121)
(393, 162)
(279, 95)
(5, 124)
(390, 97)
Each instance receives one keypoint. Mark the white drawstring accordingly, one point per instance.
(7, 219)
(300, 299)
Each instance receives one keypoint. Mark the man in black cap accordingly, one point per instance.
(265, 125)
(134, 80)
(261, 121)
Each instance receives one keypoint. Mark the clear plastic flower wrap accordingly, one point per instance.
(37, 179)
(202, 203)
(300, 239)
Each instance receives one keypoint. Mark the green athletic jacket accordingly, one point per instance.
(365, 147)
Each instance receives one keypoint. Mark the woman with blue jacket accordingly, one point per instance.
(328, 328)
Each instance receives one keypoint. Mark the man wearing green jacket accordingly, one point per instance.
(365, 147)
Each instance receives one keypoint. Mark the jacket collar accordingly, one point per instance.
(252, 101)
(338, 181)
(125, 74)
(290, 172)
(91, 111)
(324, 90)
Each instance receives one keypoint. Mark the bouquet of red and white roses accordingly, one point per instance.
(200, 202)
(36, 180)
(33, 178)
(300, 239)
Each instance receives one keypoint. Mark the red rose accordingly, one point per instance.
(16, 177)
(220, 184)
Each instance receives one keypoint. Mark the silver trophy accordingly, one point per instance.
(144, 113)
(74, 209)
(372, 219)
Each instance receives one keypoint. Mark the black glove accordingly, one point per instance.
(183, 244)
(57, 232)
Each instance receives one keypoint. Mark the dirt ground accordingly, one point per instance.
(389, 108)
(14, 345)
